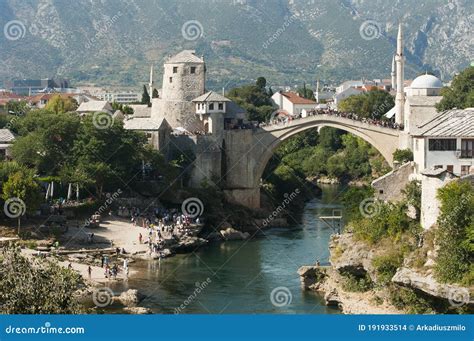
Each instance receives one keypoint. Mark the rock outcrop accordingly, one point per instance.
(232, 234)
(129, 298)
(426, 283)
(311, 276)
(138, 310)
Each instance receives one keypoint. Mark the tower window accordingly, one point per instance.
(221, 106)
(175, 69)
(211, 106)
(171, 79)
(193, 69)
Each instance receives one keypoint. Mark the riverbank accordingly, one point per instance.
(354, 282)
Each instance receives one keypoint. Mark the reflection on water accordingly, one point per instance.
(241, 275)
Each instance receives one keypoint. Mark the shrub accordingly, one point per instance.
(386, 266)
(354, 283)
(454, 234)
(407, 300)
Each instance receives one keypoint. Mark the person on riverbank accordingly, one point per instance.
(89, 271)
(140, 238)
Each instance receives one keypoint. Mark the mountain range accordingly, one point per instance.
(114, 42)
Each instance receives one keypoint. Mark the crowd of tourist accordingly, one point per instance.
(161, 225)
(332, 112)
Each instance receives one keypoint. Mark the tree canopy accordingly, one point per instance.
(461, 92)
(372, 104)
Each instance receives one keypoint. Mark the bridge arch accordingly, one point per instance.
(248, 151)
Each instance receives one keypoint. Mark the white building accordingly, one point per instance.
(95, 106)
(446, 141)
(121, 97)
(6, 140)
(292, 102)
(338, 97)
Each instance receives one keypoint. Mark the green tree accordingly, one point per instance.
(261, 82)
(461, 92)
(372, 104)
(403, 155)
(21, 185)
(306, 93)
(36, 286)
(45, 140)
(155, 93)
(59, 105)
(454, 234)
(145, 96)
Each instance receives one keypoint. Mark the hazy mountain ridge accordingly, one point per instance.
(288, 41)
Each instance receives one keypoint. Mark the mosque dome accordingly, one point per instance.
(426, 82)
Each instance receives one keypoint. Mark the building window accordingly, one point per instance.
(193, 69)
(465, 170)
(171, 79)
(211, 106)
(175, 69)
(221, 106)
(442, 144)
(467, 148)
(438, 166)
(450, 168)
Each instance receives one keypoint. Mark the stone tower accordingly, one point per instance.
(184, 78)
(400, 61)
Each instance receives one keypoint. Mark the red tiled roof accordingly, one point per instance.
(296, 99)
(47, 97)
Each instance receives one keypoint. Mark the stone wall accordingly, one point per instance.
(389, 187)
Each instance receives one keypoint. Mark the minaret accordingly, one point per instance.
(150, 84)
(400, 97)
(393, 74)
(317, 91)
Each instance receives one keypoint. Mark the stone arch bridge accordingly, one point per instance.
(247, 152)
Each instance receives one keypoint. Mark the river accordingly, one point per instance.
(238, 277)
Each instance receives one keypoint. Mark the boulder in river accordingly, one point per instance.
(232, 234)
(128, 298)
(311, 275)
(138, 310)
